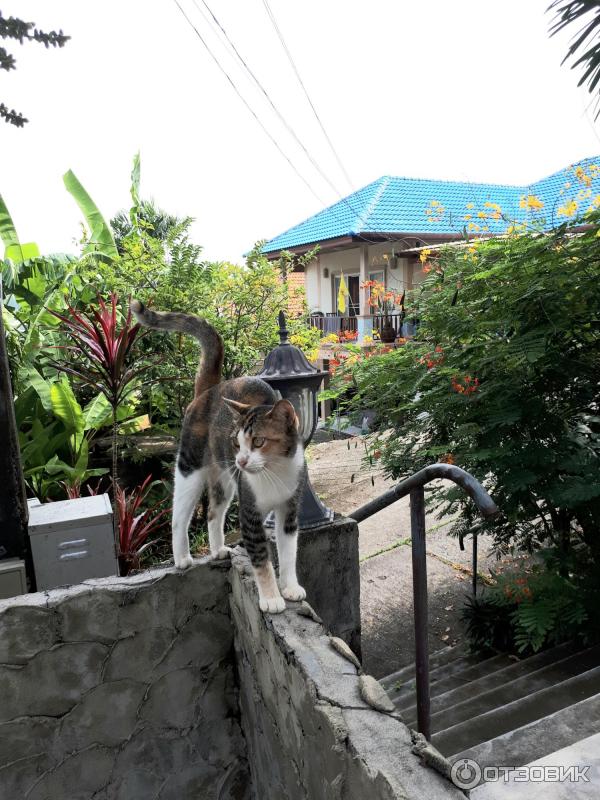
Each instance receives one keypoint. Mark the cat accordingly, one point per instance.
(236, 436)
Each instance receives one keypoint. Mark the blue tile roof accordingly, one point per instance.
(413, 206)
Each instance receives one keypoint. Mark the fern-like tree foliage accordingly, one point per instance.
(503, 379)
(157, 223)
(20, 31)
(584, 50)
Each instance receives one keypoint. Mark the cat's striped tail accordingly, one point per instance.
(211, 358)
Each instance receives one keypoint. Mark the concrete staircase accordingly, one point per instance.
(501, 711)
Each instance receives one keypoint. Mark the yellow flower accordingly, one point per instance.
(435, 203)
(468, 216)
(470, 205)
(424, 255)
(568, 210)
(481, 214)
(531, 202)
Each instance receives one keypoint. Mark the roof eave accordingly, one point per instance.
(353, 239)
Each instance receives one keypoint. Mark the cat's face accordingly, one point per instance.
(263, 435)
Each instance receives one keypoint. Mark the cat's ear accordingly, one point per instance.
(284, 411)
(238, 409)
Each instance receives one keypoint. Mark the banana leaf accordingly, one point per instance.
(66, 407)
(102, 241)
(8, 234)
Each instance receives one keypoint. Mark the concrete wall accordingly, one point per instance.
(329, 570)
(131, 689)
(122, 689)
(310, 735)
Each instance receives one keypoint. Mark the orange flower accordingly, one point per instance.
(466, 385)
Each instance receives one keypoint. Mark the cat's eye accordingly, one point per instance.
(258, 441)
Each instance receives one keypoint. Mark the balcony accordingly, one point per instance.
(365, 323)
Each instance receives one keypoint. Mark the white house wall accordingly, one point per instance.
(319, 289)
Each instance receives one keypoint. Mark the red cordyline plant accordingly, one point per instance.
(134, 525)
(101, 352)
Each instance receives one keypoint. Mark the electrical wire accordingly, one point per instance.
(289, 128)
(304, 89)
(345, 200)
(245, 102)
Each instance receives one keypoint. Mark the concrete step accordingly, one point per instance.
(536, 739)
(436, 659)
(508, 683)
(406, 701)
(584, 753)
(544, 678)
(517, 713)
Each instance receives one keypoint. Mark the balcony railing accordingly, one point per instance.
(336, 323)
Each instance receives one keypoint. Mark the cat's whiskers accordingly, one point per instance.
(278, 481)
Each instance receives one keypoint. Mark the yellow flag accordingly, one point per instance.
(342, 294)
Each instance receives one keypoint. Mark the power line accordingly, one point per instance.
(244, 101)
(344, 200)
(304, 89)
(280, 116)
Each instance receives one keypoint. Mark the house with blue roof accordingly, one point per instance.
(377, 232)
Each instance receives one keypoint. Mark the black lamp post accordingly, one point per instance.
(288, 372)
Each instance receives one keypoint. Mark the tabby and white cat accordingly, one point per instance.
(236, 435)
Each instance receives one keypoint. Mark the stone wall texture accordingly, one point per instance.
(174, 686)
(310, 735)
(122, 689)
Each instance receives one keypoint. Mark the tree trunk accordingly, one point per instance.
(14, 542)
(115, 478)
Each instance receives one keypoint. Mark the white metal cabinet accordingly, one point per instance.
(72, 540)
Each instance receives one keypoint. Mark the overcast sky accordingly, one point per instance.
(467, 90)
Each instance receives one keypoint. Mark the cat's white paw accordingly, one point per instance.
(183, 562)
(272, 605)
(293, 592)
(222, 552)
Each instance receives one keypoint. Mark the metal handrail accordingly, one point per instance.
(414, 486)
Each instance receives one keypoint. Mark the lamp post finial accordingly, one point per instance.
(283, 332)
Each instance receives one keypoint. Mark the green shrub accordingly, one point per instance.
(525, 611)
(502, 379)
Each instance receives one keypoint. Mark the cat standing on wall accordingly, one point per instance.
(236, 435)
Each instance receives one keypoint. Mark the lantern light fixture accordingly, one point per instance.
(287, 371)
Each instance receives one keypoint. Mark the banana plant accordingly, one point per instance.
(15, 253)
(55, 451)
(101, 242)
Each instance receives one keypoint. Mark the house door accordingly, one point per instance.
(352, 301)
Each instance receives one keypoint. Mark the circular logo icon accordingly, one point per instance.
(465, 773)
